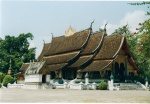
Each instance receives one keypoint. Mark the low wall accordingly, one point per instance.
(15, 85)
(33, 78)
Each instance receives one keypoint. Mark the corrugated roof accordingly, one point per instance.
(97, 65)
(61, 58)
(110, 47)
(67, 44)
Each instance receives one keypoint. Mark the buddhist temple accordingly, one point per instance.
(76, 53)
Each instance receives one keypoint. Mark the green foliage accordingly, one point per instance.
(139, 44)
(122, 30)
(0, 85)
(142, 3)
(17, 49)
(102, 86)
(8, 79)
(2, 75)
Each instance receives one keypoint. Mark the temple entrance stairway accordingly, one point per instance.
(130, 86)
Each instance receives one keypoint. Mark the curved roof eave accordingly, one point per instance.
(122, 41)
(56, 67)
(61, 58)
(97, 63)
(130, 56)
(100, 43)
(44, 50)
(75, 48)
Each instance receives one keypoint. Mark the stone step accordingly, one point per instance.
(130, 86)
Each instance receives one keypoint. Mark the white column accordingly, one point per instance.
(86, 78)
(47, 78)
(146, 82)
(94, 86)
(86, 81)
(60, 74)
(112, 82)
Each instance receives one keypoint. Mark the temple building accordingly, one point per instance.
(77, 53)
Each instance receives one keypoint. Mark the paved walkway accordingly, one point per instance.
(72, 96)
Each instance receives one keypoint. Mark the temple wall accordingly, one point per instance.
(20, 81)
(33, 78)
(130, 68)
(47, 78)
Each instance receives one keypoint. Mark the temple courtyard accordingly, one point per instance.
(72, 96)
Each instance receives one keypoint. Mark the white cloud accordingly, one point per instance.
(132, 18)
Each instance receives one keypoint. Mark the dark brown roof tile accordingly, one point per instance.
(97, 65)
(110, 47)
(81, 61)
(93, 43)
(67, 44)
(56, 66)
(61, 58)
(45, 48)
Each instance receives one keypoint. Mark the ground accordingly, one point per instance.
(72, 96)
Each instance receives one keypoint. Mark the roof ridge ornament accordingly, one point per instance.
(91, 24)
(105, 32)
(52, 35)
(44, 41)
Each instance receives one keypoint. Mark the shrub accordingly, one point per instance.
(102, 86)
(0, 85)
(2, 75)
(8, 79)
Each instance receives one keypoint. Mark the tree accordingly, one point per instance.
(17, 50)
(1, 77)
(142, 50)
(122, 30)
(139, 44)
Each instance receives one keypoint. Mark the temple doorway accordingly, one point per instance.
(43, 78)
(116, 68)
(53, 75)
(122, 70)
(69, 74)
(96, 75)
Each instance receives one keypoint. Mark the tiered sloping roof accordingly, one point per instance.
(92, 46)
(61, 58)
(108, 52)
(55, 67)
(85, 50)
(68, 44)
(110, 47)
(65, 49)
(44, 50)
(97, 65)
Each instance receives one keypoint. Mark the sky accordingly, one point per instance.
(41, 18)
